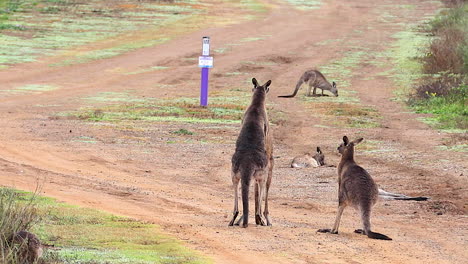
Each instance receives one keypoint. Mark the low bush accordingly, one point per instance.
(16, 214)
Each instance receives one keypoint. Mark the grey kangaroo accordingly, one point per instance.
(253, 157)
(316, 80)
(307, 160)
(356, 188)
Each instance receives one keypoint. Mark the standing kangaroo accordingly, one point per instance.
(316, 80)
(307, 160)
(355, 187)
(253, 157)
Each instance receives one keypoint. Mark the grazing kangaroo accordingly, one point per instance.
(307, 160)
(316, 80)
(253, 157)
(29, 245)
(355, 187)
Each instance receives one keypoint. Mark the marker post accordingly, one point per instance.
(205, 62)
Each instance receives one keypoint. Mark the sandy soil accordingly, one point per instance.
(185, 187)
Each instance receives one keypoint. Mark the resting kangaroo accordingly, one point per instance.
(355, 187)
(316, 80)
(253, 157)
(307, 160)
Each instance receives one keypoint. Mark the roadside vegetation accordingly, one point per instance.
(444, 89)
(79, 235)
(15, 215)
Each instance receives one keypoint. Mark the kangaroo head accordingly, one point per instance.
(319, 157)
(334, 90)
(263, 87)
(346, 145)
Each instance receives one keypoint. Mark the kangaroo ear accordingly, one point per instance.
(345, 140)
(319, 150)
(255, 83)
(267, 84)
(357, 141)
(334, 84)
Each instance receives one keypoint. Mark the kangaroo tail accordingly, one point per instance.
(397, 196)
(374, 235)
(418, 198)
(246, 176)
(298, 85)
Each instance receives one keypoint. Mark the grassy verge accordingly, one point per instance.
(14, 216)
(81, 235)
(444, 92)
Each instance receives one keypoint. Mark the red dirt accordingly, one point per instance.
(185, 187)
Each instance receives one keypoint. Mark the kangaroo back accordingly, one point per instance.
(252, 154)
(304, 78)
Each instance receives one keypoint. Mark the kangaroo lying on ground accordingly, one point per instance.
(307, 160)
(253, 157)
(316, 80)
(357, 188)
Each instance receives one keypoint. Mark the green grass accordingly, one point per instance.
(450, 111)
(444, 90)
(82, 235)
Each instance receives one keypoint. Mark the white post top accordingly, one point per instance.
(206, 46)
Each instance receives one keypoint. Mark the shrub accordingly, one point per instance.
(444, 91)
(16, 213)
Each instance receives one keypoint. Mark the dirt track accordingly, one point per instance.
(185, 187)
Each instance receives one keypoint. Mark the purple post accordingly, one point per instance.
(205, 62)
(204, 87)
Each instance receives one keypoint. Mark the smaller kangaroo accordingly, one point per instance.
(307, 160)
(356, 188)
(316, 80)
(29, 245)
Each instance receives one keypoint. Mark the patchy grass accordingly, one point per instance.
(182, 131)
(343, 111)
(88, 236)
(224, 107)
(30, 89)
(32, 28)
(48, 26)
(305, 4)
(457, 148)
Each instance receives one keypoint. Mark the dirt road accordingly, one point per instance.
(185, 186)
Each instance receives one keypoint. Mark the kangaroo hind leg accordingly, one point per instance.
(235, 183)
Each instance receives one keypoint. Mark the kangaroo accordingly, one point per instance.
(316, 80)
(307, 160)
(29, 245)
(253, 157)
(355, 187)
